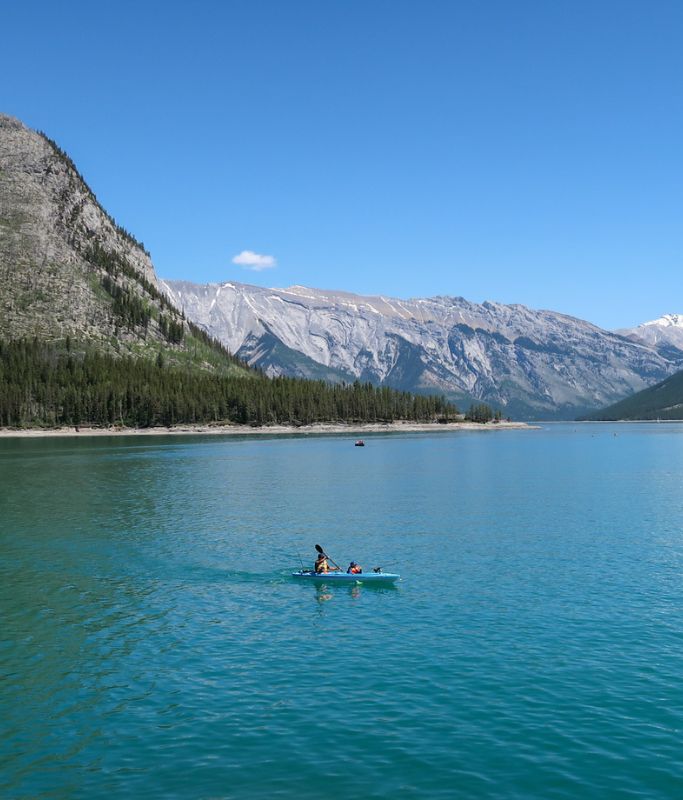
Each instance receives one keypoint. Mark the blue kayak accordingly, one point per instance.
(345, 577)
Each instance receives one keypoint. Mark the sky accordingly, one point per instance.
(519, 152)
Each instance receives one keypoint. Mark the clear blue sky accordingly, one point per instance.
(523, 152)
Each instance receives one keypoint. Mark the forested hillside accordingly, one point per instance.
(663, 401)
(69, 270)
(43, 385)
(87, 338)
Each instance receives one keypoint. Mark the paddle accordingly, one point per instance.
(323, 553)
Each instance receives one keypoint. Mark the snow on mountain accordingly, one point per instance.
(667, 330)
(533, 364)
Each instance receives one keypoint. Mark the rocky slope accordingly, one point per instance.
(532, 364)
(68, 270)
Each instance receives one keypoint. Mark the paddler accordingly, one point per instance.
(354, 569)
(322, 566)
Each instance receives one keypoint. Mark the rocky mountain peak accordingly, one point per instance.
(668, 320)
(530, 363)
(59, 248)
(69, 271)
(43, 198)
(665, 331)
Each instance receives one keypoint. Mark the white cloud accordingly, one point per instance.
(254, 261)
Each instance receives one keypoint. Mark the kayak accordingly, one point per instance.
(345, 577)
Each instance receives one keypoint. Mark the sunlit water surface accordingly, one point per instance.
(152, 644)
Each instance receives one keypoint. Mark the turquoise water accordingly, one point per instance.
(152, 645)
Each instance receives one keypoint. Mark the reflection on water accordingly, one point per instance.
(322, 593)
(325, 592)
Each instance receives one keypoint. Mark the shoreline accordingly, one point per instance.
(268, 430)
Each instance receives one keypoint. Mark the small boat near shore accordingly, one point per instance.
(359, 443)
(345, 577)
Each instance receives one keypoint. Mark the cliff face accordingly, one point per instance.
(68, 270)
(49, 223)
(66, 267)
(533, 364)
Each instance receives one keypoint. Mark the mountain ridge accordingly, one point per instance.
(666, 330)
(86, 337)
(534, 363)
(69, 271)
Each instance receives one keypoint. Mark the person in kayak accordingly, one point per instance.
(322, 565)
(354, 569)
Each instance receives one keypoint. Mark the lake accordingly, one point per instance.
(153, 645)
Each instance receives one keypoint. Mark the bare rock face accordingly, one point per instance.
(532, 364)
(54, 239)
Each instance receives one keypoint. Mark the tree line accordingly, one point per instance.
(68, 162)
(480, 412)
(44, 384)
(134, 313)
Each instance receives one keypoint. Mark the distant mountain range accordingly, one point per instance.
(531, 364)
(69, 272)
(664, 400)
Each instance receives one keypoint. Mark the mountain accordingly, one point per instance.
(662, 334)
(71, 276)
(68, 271)
(662, 401)
(532, 364)
(87, 338)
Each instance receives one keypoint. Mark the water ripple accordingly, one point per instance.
(154, 646)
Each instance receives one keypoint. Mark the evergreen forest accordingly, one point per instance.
(664, 401)
(480, 412)
(45, 384)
